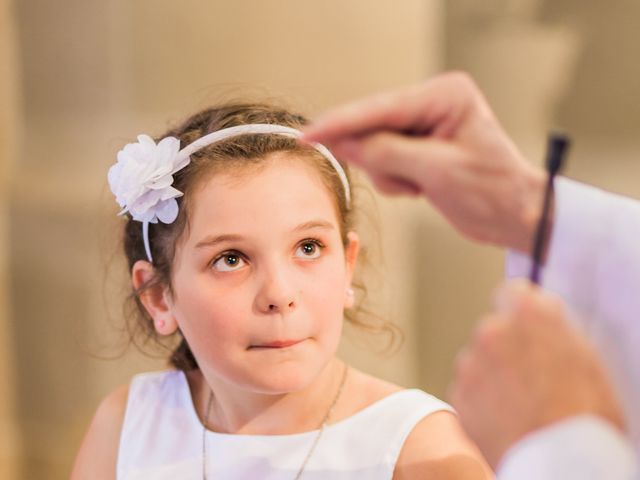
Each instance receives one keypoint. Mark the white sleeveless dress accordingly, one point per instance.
(162, 439)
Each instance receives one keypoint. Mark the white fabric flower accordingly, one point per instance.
(142, 177)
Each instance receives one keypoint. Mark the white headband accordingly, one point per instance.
(142, 177)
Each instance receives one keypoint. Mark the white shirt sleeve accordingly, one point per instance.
(580, 448)
(593, 263)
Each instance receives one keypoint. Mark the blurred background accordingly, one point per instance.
(79, 79)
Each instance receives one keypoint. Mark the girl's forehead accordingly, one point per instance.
(280, 194)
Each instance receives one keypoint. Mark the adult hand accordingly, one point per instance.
(441, 139)
(526, 368)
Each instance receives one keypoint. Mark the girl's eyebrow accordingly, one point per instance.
(314, 224)
(213, 240)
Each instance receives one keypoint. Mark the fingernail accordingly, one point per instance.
(306, 138)
(310, 132)
(510, 294)
(502, 299)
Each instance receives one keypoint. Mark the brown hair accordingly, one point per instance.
(237, 154)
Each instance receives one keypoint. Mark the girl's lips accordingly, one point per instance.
(277, 344)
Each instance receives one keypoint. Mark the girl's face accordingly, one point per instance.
(261, 279)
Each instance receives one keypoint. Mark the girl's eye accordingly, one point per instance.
(309, 249)
(228, 262)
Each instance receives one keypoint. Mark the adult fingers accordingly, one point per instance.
(510, 295)
(464, 375)
(536, 315)
(419, 164)
(435, 106)
(394, 186)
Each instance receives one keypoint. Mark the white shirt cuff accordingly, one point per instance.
(581, 448)
(577, 243)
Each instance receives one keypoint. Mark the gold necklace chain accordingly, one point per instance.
(322, 426)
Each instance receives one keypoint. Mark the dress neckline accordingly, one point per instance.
(345, 422)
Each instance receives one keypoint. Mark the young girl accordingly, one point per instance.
(239, 241)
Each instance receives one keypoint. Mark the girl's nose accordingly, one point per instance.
(274, 307)
(277, 293)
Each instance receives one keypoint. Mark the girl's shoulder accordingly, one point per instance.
(98, 452)
(365, 393)
(438, 447)
(362, 391)
(435, 445)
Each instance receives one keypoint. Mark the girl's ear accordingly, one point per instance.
(155, 299)
(351, 256)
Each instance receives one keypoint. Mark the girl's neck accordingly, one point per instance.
(239, 411)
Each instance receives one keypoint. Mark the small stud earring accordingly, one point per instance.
(160, 324)
(350, 292)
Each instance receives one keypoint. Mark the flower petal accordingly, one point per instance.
(167, 211)
(141, 178)
(170, 192)
(161, 183)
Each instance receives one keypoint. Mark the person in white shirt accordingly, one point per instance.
(538, 399)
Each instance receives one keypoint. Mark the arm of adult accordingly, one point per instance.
(98, 454)
(529, 384)
(593, 263)
(585, 447)
(441, 139)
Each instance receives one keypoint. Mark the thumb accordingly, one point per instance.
(510, 296)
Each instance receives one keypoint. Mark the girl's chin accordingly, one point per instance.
(282, 379)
